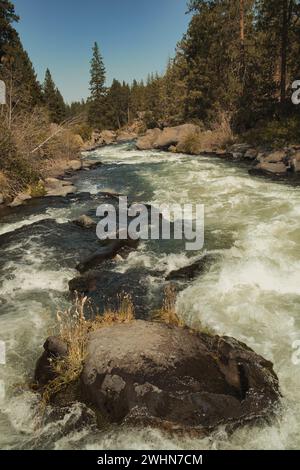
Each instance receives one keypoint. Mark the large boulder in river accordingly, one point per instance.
(149, 373)
(172, 136)
(148, 140)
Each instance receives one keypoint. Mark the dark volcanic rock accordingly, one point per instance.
(152, 373)
(105, 287)
(109, 251)
(193, 270)
(53, 348)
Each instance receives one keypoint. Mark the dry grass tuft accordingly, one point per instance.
(167, 313)
(74, 330)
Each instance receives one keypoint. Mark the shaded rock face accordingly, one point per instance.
(53, 348)
(193, 270)
(151, 373)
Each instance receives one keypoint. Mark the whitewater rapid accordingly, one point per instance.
(251, 292)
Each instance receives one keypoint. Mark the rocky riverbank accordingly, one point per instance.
(279, 164)
(55, 186)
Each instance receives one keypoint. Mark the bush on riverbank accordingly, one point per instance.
(275, 133)
(32, 148)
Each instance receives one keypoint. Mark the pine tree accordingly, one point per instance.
(53, 99)
(97, 89)
(7, 33)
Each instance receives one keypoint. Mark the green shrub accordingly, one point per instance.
(84, 130)
(276, 133)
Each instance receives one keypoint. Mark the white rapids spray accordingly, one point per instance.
(251, 293)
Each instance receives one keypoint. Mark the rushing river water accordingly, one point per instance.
(252, 292)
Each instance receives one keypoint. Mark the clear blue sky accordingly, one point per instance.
(136, 37)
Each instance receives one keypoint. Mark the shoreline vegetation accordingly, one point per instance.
(226, 93)
(240, 92)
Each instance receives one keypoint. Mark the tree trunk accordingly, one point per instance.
(286, 18)
(242, 38)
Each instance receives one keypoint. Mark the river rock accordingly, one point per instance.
(108, 137)
(20, 199)
(56, 187)
(173, 136)
(53, 348)
(110, 249)
(275, 157)
(147, 141)
(147, 373)
(104, 287)
(275, 169)
(251, 154)
(240, 148)
(74, 165)
(295, 162)
(89, 164)
(193, 270)
(85, 221)
(126, 136)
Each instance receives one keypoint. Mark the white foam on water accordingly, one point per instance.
(252, 293)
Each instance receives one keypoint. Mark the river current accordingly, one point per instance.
(251, 292)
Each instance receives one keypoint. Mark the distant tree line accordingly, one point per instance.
(237, 56)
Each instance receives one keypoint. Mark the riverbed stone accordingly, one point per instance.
(173, 136)
(85, 221)
(146, 373)
(56, 187)
(20, 199)
(275, 169)
(147, 141)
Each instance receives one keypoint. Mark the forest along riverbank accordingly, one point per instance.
(251, 290)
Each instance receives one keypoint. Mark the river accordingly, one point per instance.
(251, 292)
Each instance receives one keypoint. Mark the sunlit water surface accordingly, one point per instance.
(251, 293)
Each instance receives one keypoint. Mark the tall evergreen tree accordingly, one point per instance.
(97, 89)
(7, 32)
(53, 99)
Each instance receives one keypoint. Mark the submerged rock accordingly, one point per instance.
(109, 251)
(85, 221)
(104, 289)
(153, 374)
(193, 270)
